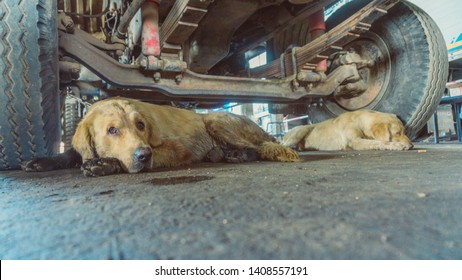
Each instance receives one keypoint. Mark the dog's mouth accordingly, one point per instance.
(136, 167)
(133, 167)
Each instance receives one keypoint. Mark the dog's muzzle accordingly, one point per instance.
(142, 155)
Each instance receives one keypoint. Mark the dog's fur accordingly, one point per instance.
(358, 130)
(147, 136)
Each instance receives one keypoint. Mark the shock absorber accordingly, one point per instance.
(150, 44)
(317, 28)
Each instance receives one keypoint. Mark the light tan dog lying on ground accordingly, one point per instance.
(358, 130)
(125, 135)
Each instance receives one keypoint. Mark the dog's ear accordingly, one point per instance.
(82, 141)
(381, 131)
(153, 132)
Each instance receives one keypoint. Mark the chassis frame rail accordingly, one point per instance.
(190, 85)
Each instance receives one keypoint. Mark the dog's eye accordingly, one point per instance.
(113, 131)
(140, 125)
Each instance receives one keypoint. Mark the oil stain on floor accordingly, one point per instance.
(178, 180)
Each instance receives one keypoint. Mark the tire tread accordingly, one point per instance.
(415, 91)
(29, 123)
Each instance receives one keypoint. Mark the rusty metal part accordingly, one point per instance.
(86, 13)
(157, 77)
(167, 64)
(376, 57)
(210, 42)
(127, 17)
(181, 22)
(170, 48)
(68, 71)
(65, 23)
(352, 87)
(98, 43)
(90, 7)
(150, 43)
(335, 79)
(311, 77)
(71, 68)
(320, 48)
(204, 87)
(311, 8)
(351, 90)
(351, 57)
(197, 86)
(317, 28)
(230, 95)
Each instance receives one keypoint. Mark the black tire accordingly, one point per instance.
(30, 117)
(417, 67)
(71, 119)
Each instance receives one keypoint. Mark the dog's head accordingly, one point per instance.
(117, 128)
(389, 128)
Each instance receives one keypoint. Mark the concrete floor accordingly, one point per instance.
(334, 205)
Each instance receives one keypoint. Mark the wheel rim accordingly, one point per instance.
(369, 46)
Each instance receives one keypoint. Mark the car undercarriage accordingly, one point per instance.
(384, 55)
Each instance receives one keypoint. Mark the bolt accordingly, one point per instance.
(68, 24)
(295, 84)
(157, 77)
(178, 78)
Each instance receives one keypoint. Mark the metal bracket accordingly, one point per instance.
(163, 64)
(333, 40)
(351, 57)
(294, 60)
(283, 66)
(335, 79)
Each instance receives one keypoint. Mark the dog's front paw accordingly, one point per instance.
(101, 167)
(215, 155)
(39, 165)
(241, 155)
(399, 146)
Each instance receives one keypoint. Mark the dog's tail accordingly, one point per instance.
(276, 152)
(294, 136)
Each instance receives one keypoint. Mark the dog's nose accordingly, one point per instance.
(142, 155)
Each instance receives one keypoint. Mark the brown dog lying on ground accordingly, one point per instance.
(358, 130)
(125, 135)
